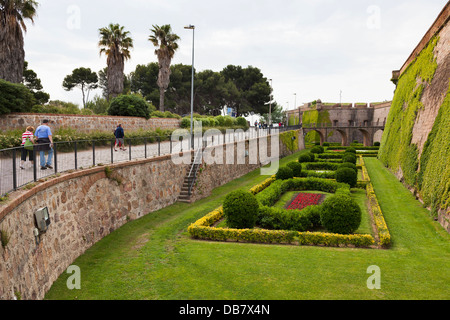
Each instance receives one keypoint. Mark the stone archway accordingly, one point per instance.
(344, 137)
(367, 137)
(378, 135)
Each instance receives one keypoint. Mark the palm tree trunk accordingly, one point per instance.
(161, 99)
(12, 54)
(115, 75)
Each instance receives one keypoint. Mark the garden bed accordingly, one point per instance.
(204, 227)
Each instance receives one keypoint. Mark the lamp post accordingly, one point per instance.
(191, 27)
(270, 104)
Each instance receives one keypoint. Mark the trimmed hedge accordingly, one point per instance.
(268, 192)
(296, 168)
(284, 173)
(340, 214)
(241, 209)
(347, 175)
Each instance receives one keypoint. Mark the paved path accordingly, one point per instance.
(85, 159)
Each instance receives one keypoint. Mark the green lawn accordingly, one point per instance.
(154, 258)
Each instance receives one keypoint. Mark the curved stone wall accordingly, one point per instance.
(84, 207)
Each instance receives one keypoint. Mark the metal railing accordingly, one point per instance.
(82, 154)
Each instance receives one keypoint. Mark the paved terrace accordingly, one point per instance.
(13, 178)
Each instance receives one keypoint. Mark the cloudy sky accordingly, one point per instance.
(311, 49)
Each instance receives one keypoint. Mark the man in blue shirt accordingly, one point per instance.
(119, 133)
(43, 134)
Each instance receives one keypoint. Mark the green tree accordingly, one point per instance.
(254, 90)
(210, 93)
(166, 43)
(33, 83)
(278, 114)
(115, 43)
(83, 78)
(15, 97)
(12, 22)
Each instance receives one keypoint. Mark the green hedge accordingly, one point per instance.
(15, 98)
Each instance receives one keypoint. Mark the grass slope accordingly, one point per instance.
(153, 258)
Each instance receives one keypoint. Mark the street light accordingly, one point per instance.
(191, 27)
(270, 104)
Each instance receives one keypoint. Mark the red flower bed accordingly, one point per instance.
(303, 200)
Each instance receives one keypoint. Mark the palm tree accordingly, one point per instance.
(12, 55)
(115, 43)
(166, 41)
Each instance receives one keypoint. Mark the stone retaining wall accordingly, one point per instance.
(87, 205)
(85, 124)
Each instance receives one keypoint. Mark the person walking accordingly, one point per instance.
(27, 135)
(119, 134)
(45, 143)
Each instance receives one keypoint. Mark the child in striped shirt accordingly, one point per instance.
(27, 134)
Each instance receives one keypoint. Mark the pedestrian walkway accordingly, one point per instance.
(82, 159)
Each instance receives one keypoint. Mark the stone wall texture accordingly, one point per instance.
(85, 124)
(86, 205)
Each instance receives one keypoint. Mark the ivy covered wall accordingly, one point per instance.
(426, 171)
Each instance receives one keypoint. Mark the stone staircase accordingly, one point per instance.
(189, 179)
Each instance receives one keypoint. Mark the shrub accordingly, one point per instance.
(220, 120)
(376, 144)
(317, 149)
(322, 166)
(15, 98)
(284, 173)
(349, 157)
(185, 122)
(347, 175)
(350, 150)
(326, 144)
(349, 165)
(304, 157)
(312, 157)
(281, 219)
(129, 105)
(240, 209)
(240, 121)
(296, 168)
(340, 214)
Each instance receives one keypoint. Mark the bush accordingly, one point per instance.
(347, 175)
(240, 121)
(15, 98)
(349, 165)
(376, 144)
(312, 157)
(304, 157)
(284, 173)
(349, 157)
(240, 209)
(317, 149)
(281, 219)
(185, 122)
(296, 168)
(351, 150)
(129, 105)
(340, 214)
